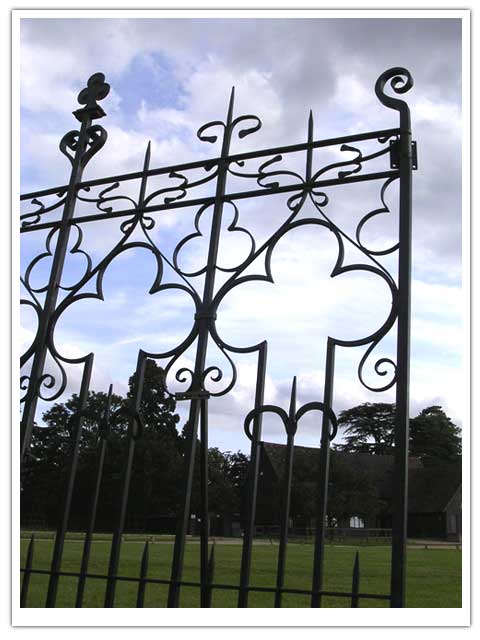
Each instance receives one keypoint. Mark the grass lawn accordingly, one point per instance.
(434, 575)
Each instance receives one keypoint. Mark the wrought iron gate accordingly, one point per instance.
(395, 147)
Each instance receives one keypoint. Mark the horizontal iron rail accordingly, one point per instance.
(225, 587)
(238, 195)
(248, 155)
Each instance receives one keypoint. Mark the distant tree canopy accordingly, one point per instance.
(158, 464)
(156, 485)
(433, 436)
(370, 427)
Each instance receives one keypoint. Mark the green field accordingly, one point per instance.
(434, 575)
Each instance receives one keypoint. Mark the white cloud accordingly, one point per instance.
(352, 94)
(293, 66)
(445, 115)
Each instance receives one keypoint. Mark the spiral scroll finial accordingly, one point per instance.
(401, 81)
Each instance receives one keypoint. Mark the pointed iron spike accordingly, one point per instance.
(230, 105)
(108, 404)
(30, 550)
(148, 152)
(143, 574)
(293, 398)
(210, 572)
(145, 559)
(356, 565)
(27, 572)
(309, 157)
(143, 183)
(355, 580)
(211, 563)
(310, 126)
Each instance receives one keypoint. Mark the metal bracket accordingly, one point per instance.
(205, 314)
(192, 395)
(395, 154)
(414, 155)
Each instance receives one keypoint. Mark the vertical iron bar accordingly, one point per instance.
(93, 511)
(39, 358)
(183, 521)
(73, 465)
(143, 574)
(252, 482)
(27, 573)
(197, 382)
(287, 487)
(117, 534)
(324, 463)
(135, 410)
(204, 513)
(400, 493)
(211, 571)
(355, 581)
(401, 81)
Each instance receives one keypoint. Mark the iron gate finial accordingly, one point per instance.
(96, 89)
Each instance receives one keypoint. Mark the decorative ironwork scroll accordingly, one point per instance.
(59, 213)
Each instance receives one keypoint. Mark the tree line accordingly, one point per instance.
(156, 482)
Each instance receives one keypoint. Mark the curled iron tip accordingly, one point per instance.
(401, 81)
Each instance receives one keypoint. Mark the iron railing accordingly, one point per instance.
(184, 189)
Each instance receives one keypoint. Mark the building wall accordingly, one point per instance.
(427, 525)
(453, 514)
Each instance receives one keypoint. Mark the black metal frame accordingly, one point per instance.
(79, 146)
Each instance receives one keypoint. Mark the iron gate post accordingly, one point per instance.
(401, 81)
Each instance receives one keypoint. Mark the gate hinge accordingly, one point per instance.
(395, 154)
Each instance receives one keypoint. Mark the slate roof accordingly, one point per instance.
(430, 488)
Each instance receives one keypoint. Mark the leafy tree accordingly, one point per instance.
(221, 494)
(227, 474)
(157, 407)
(236, 470)
(156, 475)
(369, 428)
(434, 437)
(47, 466)
(157, 463)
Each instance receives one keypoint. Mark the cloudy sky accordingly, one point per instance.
(170, 76)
